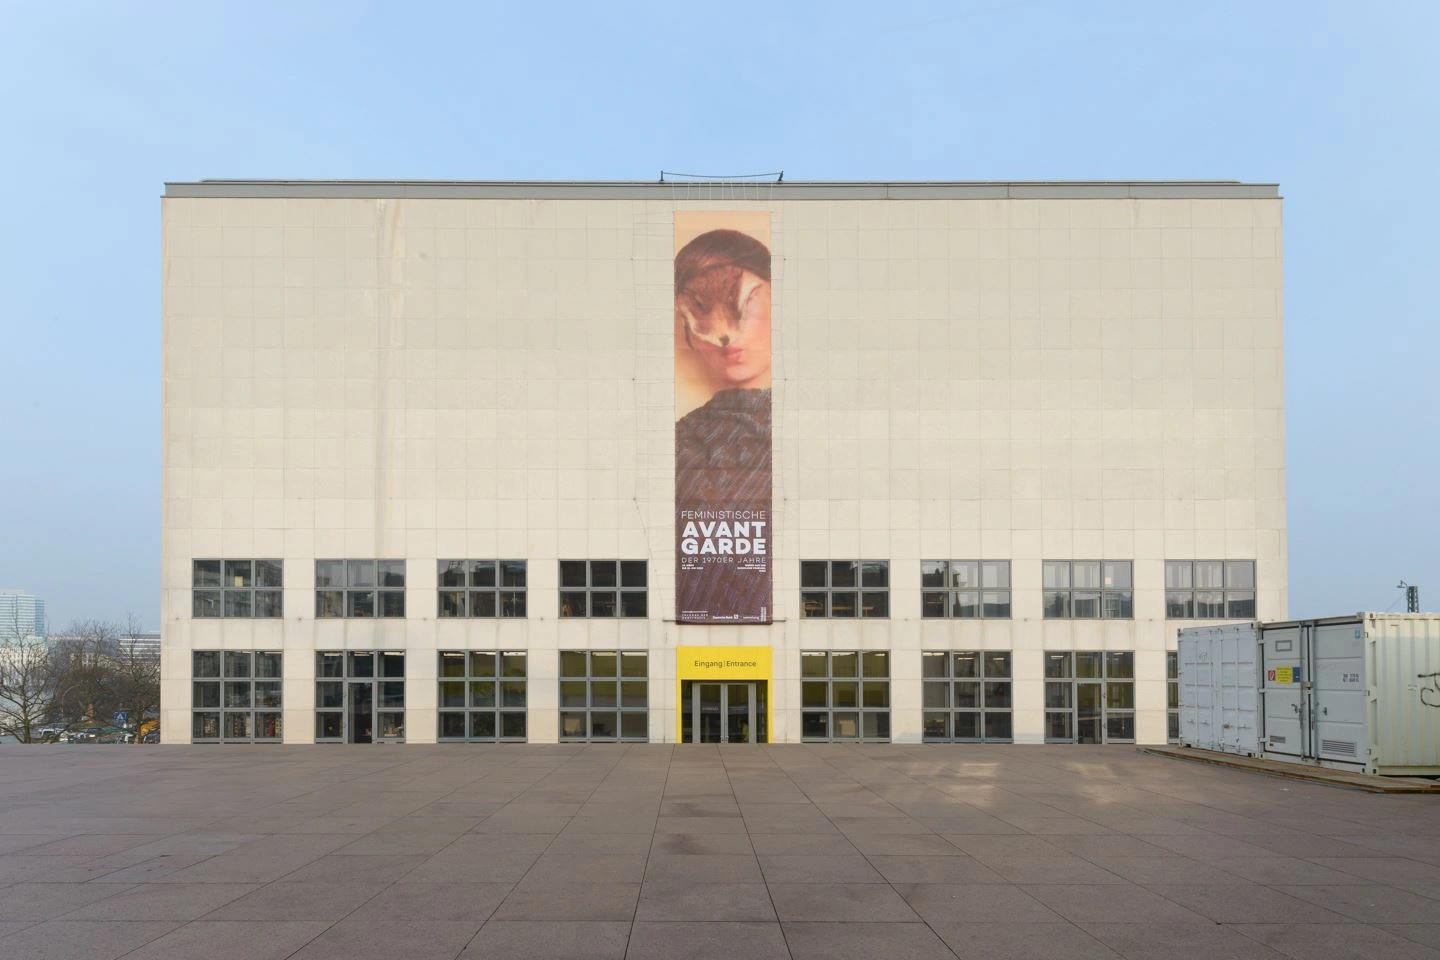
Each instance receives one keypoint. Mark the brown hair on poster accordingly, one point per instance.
(723, 466)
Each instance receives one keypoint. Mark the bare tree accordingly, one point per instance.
(135, 675)
(28, 682)
(85, 688)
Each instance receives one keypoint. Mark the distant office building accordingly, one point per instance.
(21, 614)
(141, 644)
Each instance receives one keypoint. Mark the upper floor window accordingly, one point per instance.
(359, 588)
(845, 588)
(237, 588)
(965, 588)
(481, 588)
(602, 588)
(1088, 590)
(1210, 589)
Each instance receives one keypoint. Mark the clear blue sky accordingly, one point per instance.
(105, 101)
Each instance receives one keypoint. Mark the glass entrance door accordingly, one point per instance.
(362, 711)
(723, 712)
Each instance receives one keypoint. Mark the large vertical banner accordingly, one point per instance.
(722, 413)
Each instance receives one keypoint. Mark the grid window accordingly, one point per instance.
(359, 696)
(236, 696)
(604, 695)
(603, 588)
(237, 588)
(481, 588)
(845, 695)
(1172, 696)
(967, 696)
(967, 589)
(1088, 589)
(845, 588)
(1090, 696)
(360, 589)
(1210, 589)
(482, 695)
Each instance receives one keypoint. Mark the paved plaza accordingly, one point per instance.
(669, 852)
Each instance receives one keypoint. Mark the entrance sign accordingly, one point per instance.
(723, 464)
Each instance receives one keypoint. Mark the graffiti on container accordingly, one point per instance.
(1430, 696)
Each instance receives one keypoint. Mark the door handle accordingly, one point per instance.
(1325, 711)
(1295, 707)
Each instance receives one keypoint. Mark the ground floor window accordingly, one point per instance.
(359, 696)
(604, 695)
(967, 696)
(1172, 697)
(235, 696)
(1090, 696)
(482, 695)
(845, 695)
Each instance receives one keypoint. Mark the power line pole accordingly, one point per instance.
(1412, 597)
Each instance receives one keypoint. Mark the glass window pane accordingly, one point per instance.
(237, 664)
(205, 663)
(1209, 604)
(632, 603)
(1179, 605)
(512, 693)
(1172, 665)
(845, 726)
(812, 605)
(329, 603)
(452, 603)
(269, 573)
(997, 666)
(572, 693)
(269, 603)
(604, 693)
(512, 664)
(967, 726)
(602, 603)
(267, 726)
(572, 573)
(844, 664)
(966, 605)
(1059, 726)
(237, 603)
(237, 726)
(482, 725)
(632, 573)
(572, 725)
(1121, 727)
(452, 694)
(1209, 574)
(1055, 574)
(634, 664)
(604, 663)
(329, 726)
(572, 603)
(932, 573)
(392, 603)
(392, 573)
(482, 603)
(572, 663)
(966, 664)
(602, 573)
(633, 725)
(995, 574)
(875, 663)
(936, 695)
(205, 694)
(997, 694)
(1120, 664)
(998, 726)
(482, 664)
(1177, 575)
(512, 725)
(843, 604)
(966, 694)
(995, 604)
(815, 725)
(392, 664)
(1057, 665)
(603, 725)
(360, 573)
(239, 573)
(512, 573)
(452, 726)
(875, 603)
(267, 693)
(812, 573)
(937, 726)
(965, 574)
(634, 693)
(1240, 573)
(450, 573)
(875, 693)
(1085, 605)
(1089, 664)
(329, 694)
(932, 664)
(814, 664)
(844, 573)
(875, 725)
(205, 573)
(845, 693)
(875, 573)
(1058, 695)
(482, 693)
(205, 603)
(512, 603)
(1057, 604)
(329, 574)
(1119, 605)
(482, 573)
(932, 604)
(1240, 604)
(1116, 574)
(329, 664)
(361, 664)
(237, 694)
(813, 693)
(361, 603)
(1120, 695)
(1085, 574)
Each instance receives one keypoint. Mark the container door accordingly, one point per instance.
(1195, 696)
(1339, 692)
(1286, 721)
(1238, 690)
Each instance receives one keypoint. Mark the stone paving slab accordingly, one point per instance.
(639, 851)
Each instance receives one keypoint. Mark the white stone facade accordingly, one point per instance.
(1010, 376)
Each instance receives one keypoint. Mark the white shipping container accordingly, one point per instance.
(1219, 688)
(1360, 692)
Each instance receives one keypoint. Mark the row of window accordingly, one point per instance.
(605, 696)
(841, 589)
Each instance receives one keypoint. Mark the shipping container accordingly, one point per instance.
(1219, 688)
(1359, 692)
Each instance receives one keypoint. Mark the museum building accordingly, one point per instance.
(710, 461)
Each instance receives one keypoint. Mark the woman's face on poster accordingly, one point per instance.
(733, 339)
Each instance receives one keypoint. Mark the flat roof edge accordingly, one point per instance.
(724, 190)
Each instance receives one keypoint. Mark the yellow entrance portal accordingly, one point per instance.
(719, 665)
